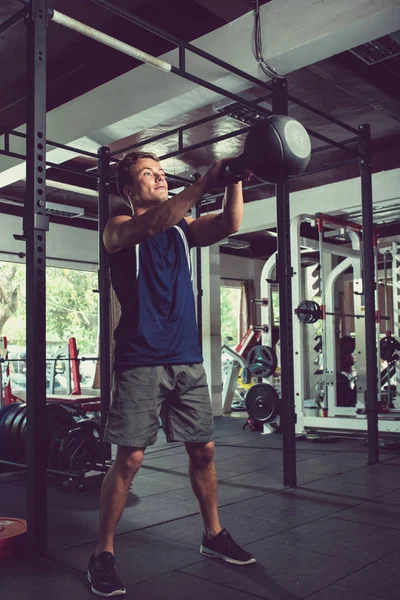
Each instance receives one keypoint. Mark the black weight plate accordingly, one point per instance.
(311, 314)
(6, 434)
(259, 370)
(9, 441)
(17, 443)
(388, 349)
(58, 417)
(13, 434)
(3, 415)
(22, 440)
(261, 402)
(265, 355)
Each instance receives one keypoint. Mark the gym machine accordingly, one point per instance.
(316, 328)
(253, 363)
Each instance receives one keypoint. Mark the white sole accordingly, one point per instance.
(94, 591)
(211, 554)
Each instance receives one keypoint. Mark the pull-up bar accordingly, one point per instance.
(103, 38)
(144, 57)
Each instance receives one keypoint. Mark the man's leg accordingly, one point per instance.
(217, 542)
(114, 492)
(203, 477)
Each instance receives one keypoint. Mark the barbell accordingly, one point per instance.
(59, 359)
(309, 312)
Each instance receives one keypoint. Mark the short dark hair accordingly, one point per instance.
(124, 176)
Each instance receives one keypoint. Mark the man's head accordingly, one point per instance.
(141, 180)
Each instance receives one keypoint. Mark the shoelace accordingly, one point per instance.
(227, 539)
(105, 567)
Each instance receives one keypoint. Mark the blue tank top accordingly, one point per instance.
(153, 284)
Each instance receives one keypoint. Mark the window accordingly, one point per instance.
(230, 311)
(275, 307)
(72, 311)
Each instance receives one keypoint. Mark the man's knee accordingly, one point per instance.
(201, 454)
(128, 461)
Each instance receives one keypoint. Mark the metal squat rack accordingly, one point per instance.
(37, 16)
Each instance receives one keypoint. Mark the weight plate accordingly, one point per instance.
(13, 449)
(389, 347)
(3, 415)
(6, 441)
(12, 534)
(264, 355)
(308, 312)
(261, 402)
(18, 443)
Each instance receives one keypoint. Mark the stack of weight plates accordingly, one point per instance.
(12, 536)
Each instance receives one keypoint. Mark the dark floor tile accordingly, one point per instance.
(249, 463)
(335, 486)
(382, 476)
(181, 586)
(382, 578)
(80, 527)
(243, 530)
(395, 460)
(340, 445)
(267, 480)
(348, 540)
(159, 508)
(148, 483)
(47, 581)
(281, 572)
(375, 512)
(235, 489)
(337, 592)
(167, 463)
(292, 507)
(139, 556)
(337, 463)
(13, 499)
(391, 497)
(231, 452)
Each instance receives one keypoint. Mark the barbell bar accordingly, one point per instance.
(262, 301)
(309, 312)
(60, 359)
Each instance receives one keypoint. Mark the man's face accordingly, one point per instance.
(149, 186)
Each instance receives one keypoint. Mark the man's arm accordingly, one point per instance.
(210, 229)
(124, 231)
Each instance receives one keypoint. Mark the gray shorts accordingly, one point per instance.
(176, 393)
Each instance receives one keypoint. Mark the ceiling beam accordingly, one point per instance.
(146, 97)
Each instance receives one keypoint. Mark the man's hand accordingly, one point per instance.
(216, 177)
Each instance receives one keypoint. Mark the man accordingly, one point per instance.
(158, 362)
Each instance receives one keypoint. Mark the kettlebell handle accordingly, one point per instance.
(234, 170)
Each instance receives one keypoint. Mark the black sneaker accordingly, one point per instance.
(224, 547)
(103, 577)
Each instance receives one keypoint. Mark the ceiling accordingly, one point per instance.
(344, 86)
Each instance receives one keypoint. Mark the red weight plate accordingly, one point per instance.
(12, 534)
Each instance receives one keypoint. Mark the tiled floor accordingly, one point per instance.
(336, 536)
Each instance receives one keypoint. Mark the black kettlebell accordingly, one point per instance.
(275, 148)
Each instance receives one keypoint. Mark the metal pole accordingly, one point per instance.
(323, 305)
(369, 285)
(103, 165)
(19, 16)
(35, 225)
(378, 321)
(199, 286)
(284, 275)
